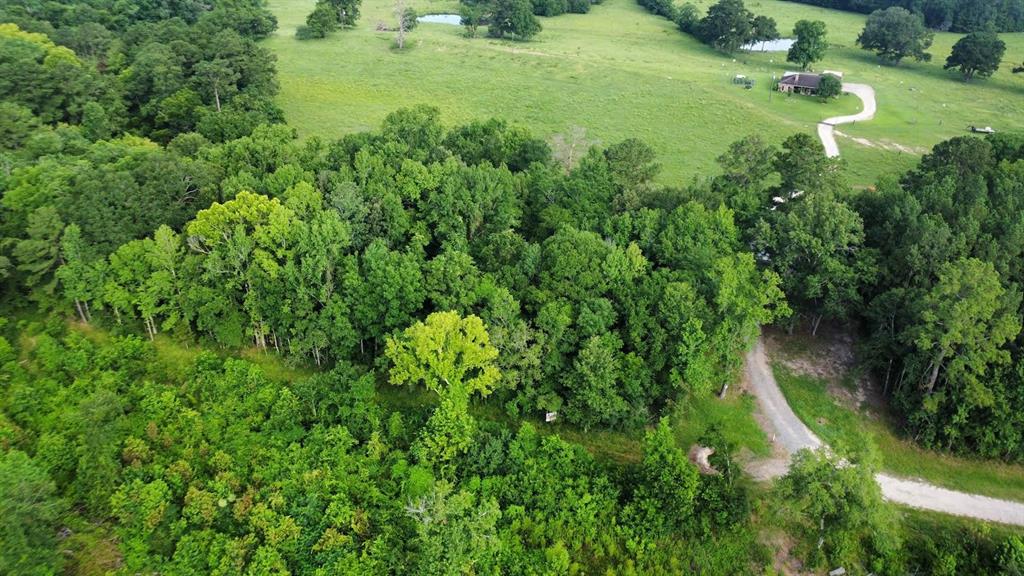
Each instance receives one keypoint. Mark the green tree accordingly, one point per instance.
(387, 289)
(595, 384)
(245, 244)
(347, 10)
(96, 125)
(80, 280)
(977, 54)
(453, 357)
(38, 255)
(816, 247)
(472, 16)
(743, 184)
(218, 79)
(810, 45)
(31, 512)
(688, 18)
(322, 20)
(664, 497)
(830, 87)
(455, 532)
(964, 321)
(1011, 556)
(727, 25)
(837, 507)
(805, 169)
(763, 29)
(896, 33)
(633, 165)
(513, 18)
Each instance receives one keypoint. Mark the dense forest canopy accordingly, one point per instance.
(431, 292)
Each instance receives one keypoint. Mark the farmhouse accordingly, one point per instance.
(803, 82)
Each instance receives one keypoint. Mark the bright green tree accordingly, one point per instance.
(453, 357)
(81, 280)
(667, 484)
(455, 531)
(837, 507)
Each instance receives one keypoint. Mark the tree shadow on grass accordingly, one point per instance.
(932, 70)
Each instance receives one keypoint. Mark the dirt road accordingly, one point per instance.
(790, 434)
(826, 128)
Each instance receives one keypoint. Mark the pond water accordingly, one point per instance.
(452, 19)
(780, 45)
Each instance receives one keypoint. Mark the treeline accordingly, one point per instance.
(157, 70)
(928, 264)
(606, 298)
(944, 315)
(952, 15)
(727, 26)
(211, 467)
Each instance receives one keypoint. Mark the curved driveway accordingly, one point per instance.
(826, 128)
(792, 435)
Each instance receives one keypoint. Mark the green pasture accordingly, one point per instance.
(620, 72)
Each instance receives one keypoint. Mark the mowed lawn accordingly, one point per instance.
(620, 72)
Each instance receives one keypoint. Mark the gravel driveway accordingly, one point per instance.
(826, 128)
(789, 433)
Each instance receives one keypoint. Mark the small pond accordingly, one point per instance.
(780, 45)
(452, 19)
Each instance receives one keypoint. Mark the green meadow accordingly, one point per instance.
(620, 72)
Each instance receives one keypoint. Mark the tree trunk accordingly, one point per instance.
(888, 372)
(216, 96)
(817, 322)
(81, 314)
(936, 366)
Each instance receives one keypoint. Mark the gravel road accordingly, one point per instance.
(789, 433)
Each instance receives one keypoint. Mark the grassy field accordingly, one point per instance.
(620, 72)
(733, 416)
(841, 426)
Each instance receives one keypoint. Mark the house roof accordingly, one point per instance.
(801, 80)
